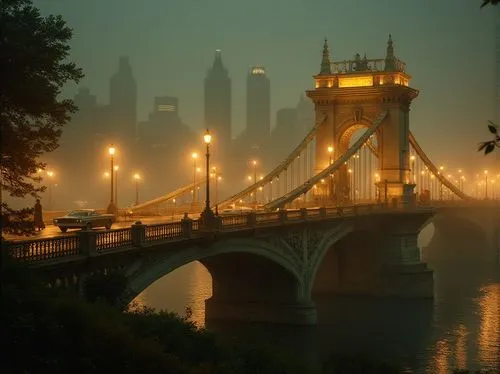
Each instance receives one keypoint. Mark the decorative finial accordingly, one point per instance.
(390, 64)
(325, 60)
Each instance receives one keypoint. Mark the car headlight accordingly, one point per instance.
(78, 221)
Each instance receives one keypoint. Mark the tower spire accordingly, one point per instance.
(390, 64)
(325, 60)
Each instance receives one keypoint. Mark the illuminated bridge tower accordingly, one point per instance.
(350, 95)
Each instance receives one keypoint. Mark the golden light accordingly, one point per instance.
(39, 170)
(173, 200)
(219, 178)
(194, 155)
(116, 167)
(137, 176)
(486, 172)
(106, 174)
(422, 172)
(249, 178)
(111, 151)
(349, 171)
(441, 168)
(412, 158)
(330, 149)
(261, 177)
(355, 81)
(198, 170)
(260, 188)
(50, 173)
(254, 162)
(207, 137)
(459, 170)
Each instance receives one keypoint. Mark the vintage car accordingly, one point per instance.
(84, 219)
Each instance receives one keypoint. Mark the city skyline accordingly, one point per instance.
(448, 48)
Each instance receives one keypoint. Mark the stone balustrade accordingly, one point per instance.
(95, 243)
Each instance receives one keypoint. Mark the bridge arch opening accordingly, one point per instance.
(233, 277)
(456, 239)
(350, 266)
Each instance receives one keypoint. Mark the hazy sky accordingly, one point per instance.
(448, 46)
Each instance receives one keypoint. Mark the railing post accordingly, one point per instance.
(282, 215)
(138, 234)
(303, 214)
(187, 226)
(88, 243)
(340, 211)
(322, 212)
(251, 219)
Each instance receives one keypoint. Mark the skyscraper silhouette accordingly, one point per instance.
(258, 107)
(123, 101)
(218, 105)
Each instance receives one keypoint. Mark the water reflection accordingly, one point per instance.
(488, 305)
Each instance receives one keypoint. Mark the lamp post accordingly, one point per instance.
(50, 174)
(330, 180)
(254, 163)
(111, 207)
(412, 169)
(116, 186)
(441, 168)
(486, 185)
(207, 215)
(137, 178)
(194, 155)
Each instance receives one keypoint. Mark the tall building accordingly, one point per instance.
(258, 107)
(123, 101)
(218, 104)
(283, 136)
(305, 117)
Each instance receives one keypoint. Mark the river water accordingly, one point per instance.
(459, 329)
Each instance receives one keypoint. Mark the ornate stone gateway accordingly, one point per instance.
(350, 95)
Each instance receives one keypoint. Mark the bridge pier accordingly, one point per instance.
(403, 273)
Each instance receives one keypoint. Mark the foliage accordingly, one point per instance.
(109, 287)
(33, 70)
(490, 145)
(491, 2)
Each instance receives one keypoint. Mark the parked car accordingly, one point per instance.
(84, 219)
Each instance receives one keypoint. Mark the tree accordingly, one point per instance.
(491, 2)
(33, 70)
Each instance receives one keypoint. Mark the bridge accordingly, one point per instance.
(323, 222)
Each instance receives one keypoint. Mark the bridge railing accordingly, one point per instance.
(44, 249)
(95, 243)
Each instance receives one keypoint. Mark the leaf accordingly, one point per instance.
(489, 148)
(483, 145)
(493, 129)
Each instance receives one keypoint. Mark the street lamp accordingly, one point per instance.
(194, 156)
(254, 163)
(486, 184)
(207, 214)
(50, 174)
(111, 207)
(137, 178)
(116, 185)
(412, 168)
(330, 181)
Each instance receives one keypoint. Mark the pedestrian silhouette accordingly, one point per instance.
(38, 218)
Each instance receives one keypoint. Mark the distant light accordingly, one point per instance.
(194, 155)
(258, 70)
(116, 167)
(50, 173)
(111, 150)
(137, 176)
